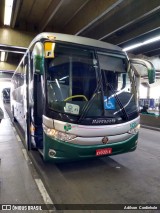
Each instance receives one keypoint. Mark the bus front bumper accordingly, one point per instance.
(59, 151)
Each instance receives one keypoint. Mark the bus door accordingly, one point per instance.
(28, 100)
(35, 84)
(35, 107)
(36, 112)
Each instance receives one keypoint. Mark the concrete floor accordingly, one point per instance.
(131, 178)
(17, 184)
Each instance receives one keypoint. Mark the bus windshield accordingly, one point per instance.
(86, 83)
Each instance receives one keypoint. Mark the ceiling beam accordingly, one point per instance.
(126, 14)
(151, 53)
(12, 49)
(136, 30)
(142, 38)
(92, 11)
(51, 11)
(66, 13)
(8, 66)
(16, 37)
(146, 48)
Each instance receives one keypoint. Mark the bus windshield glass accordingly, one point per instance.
(86, 83)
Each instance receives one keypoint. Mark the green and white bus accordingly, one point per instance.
(77, 98)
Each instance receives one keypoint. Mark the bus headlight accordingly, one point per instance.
(134, 130)
(58, 134)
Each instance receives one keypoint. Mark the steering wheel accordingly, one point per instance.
(76, 96)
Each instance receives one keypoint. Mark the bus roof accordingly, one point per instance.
(76, 40)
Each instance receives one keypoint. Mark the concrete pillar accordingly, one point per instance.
(10, 37)
(15, 38)
(148, 92)
(7, 66)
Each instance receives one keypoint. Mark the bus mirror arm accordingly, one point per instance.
(148, 65)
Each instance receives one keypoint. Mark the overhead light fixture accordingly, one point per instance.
(157, 38)
(3, 55)
(8, 12)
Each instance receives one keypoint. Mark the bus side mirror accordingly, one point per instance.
(38, 58)
(39, 64)
(144, 68)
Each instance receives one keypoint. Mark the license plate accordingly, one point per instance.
(105, 151)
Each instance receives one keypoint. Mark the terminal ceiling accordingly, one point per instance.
(121, 22)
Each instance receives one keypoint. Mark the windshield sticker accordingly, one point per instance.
(72, 108)
(109, 103)
(49, 49)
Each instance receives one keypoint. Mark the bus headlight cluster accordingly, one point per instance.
(58, 134)
(134, 130)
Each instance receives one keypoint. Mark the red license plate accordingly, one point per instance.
(105, 151)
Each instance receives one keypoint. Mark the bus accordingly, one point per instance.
(77, 98)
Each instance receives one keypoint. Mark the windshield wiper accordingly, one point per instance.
(118, 100)
(90, 102)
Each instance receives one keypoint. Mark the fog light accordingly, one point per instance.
(136, 142)
(52, 153)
